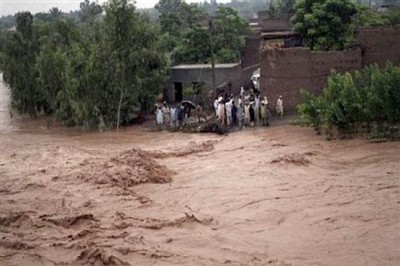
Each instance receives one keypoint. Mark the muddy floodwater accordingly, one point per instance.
(264, 196)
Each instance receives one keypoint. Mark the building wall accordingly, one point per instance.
(278, 24)
(281, 23)
(285, 71)
(379, 45)
(252, 52)
(188, 76)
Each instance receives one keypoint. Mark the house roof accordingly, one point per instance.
(204, 66)
(279, 34)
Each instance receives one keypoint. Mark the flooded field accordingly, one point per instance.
(265, 196)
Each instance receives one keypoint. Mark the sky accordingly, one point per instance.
(10, 7)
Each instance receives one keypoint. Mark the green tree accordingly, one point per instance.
(286, 6)
(366, 98)
(19, 69)
(55, 42)
(3, 40)
(168, 6)
(279, 7)
(227, 30)
(169, 17)
(194, 47)
(366, 16)
(192, 15)
(113, 75)
(176, 18)
(90, 73)
(228, 35)
(393, 16)
(55, 13)
(324, 24)
(89, 12)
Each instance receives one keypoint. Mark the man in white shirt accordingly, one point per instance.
(279, 107)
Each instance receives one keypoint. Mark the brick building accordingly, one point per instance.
(284, 71)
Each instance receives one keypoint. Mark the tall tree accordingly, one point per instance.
(228, 34)
(20, 69)
(55, 13)
(228, 29)
(194, 47)
(324, 24)
(89, 12)
(110, 78)
(92, 72)
(192, 15)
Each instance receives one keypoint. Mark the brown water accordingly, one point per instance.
(265, 196)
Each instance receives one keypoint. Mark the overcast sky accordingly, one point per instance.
(9, 7)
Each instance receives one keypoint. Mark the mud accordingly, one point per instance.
(130, 168)
(295, 158)
(206, 146)
(262, 196)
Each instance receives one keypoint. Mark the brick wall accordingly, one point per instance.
(379, 45)
(278, 24)
(281, 23)
(252, 52)
(285, 71)
(187, 76)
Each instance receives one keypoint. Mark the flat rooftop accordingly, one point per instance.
(204, 66)
(279, 34)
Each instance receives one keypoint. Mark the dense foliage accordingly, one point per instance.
(367, 99)
(331, 24)
(97, 73)
(279, 7)
(324, 24)
(223, 33)
(368, 17)
(187, 30)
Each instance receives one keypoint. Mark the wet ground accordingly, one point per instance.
(261, 196)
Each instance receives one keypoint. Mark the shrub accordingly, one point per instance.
(367, 98)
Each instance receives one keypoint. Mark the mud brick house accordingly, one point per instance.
(379, 44)
(281, 39)
(184, 76)
(285, 71)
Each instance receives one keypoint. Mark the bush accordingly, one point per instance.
(368, 98)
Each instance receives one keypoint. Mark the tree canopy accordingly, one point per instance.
(227, 30)
(279, 7)
(95, 73)
(324, 24)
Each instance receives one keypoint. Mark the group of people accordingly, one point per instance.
(248, 109)
(173, 116)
